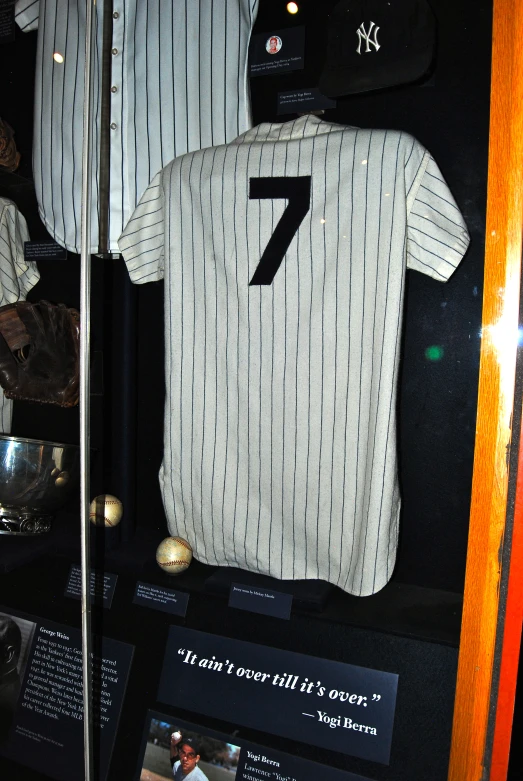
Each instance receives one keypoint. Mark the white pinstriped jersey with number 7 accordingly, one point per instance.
(284, 257)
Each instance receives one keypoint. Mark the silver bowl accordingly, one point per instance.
(36, 479)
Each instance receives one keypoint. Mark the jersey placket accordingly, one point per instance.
(118, 55)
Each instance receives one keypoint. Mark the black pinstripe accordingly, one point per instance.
(62, 104)
(227, 373)
(39, 134)
(149, 71)
(212, 72)
(204, 388)
(329, 544)
(307, 422)
(372, 423)
(365, 218)
(245, 281)
(237, 278)
(282, 509)
(169, 349)
(97, 111)
(216, 376)
(260, 245)
(73, 113)
(391, 400)
(346, 456)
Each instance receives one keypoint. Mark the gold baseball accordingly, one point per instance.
(105, 510)
(173, 555)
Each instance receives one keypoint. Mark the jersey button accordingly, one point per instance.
(116, 15)
(114, 51)
(113, 125)
(114, 89)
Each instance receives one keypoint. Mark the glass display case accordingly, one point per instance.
(295, 541)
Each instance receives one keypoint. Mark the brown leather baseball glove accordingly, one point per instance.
(39, 352)
(9, 156)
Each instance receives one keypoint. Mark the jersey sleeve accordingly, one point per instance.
(26, 14)
(437, 237)
(17, 276)
(142, 242)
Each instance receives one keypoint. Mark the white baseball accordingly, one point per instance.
(176, 735)
(173, 555)
(105, 510)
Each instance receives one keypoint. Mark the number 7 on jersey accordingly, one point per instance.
(295, 189)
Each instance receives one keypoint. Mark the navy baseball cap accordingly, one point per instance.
(373, 44)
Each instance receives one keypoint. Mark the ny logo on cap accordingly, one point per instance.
(363, 35)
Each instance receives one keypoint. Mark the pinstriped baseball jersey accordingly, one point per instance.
(284, 257)
(17, 276)
(179, 83)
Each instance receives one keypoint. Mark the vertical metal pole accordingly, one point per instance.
(85, 307)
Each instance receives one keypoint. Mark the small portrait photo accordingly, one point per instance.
(174, 752)
(16, 635)
(273, 44)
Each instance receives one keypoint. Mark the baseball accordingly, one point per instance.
(105, 510)
(173, 555)
(176, 735)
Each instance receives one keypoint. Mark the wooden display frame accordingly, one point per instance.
(491, 623)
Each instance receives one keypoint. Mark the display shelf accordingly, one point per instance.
(402, 609)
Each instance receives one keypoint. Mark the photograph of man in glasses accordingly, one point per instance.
(185, 755)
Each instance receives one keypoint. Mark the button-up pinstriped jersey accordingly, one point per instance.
(281, 365)
(178, 83)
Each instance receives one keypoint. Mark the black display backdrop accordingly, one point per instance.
(448, 113)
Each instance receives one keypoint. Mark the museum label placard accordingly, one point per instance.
(340, 706)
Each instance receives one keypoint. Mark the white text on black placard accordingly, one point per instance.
(260, 600)
(279, 51)
(340, 706)
(167, 600)
(298, 100)
(45, 719)
(44, 250)
(103, 585)
(7, 21)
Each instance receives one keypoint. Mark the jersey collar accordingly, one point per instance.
(303, 127)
